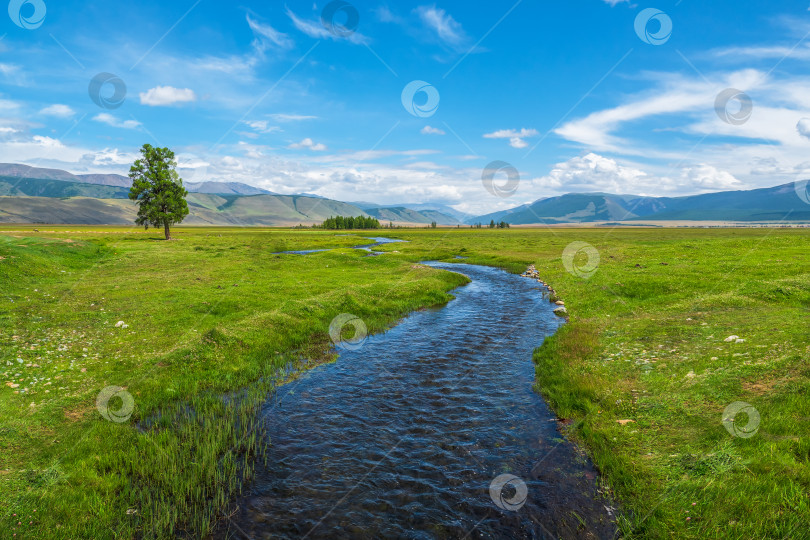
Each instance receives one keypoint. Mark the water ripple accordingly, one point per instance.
(402, 438)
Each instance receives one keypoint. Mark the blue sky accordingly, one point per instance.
(569, 93)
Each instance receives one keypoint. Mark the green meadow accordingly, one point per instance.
(212, 321)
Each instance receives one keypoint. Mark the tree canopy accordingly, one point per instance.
(359, 222)
(158, 189)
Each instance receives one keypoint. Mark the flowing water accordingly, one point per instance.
(403, 436)
(377, 241)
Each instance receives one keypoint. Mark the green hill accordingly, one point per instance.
(43, 187)
(204, 209)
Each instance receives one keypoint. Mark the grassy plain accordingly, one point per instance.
(216, 313)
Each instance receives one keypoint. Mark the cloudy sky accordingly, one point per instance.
(394, 103)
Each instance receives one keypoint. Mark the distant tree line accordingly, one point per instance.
(359, 222)
(492, 225)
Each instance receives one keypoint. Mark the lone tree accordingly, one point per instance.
(158, 189)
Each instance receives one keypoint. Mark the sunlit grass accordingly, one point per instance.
(215, 319)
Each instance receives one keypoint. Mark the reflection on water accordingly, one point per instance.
(404, 437)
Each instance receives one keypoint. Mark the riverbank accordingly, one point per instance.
(405, 434)
(170, 327)
(641, 374)
(647, 377)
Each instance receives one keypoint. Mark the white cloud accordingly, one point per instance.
(447, 29)
(256, 151)
(516, 138)
(110, 120)
(706, 178)
(48, 142)
(803, 127)
(238, 66)
(780, 52)
(308, 143)
(686, 105)
(352, 158)
(426, 165)
(8, 69)
(291, 117)
(8, 106)
(385, 15)
(318, 31)
(36, 149)
(261, 126)
(109, 157)
(265, 33)
(428, 130)
(166, 95)
(595, 173)
(58, 110)
(678, 117)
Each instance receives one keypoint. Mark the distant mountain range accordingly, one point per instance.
(422, 207)
(15, 171)
(37, 195)
(766, 204)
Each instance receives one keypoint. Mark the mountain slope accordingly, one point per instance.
(204, 209)
(222, 188)
(40, 187)
(408, 215)
(37, 195)
(766, 204)
(574, 207)
(13, 171)
(444, 210)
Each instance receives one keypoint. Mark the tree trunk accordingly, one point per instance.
(166, 230)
